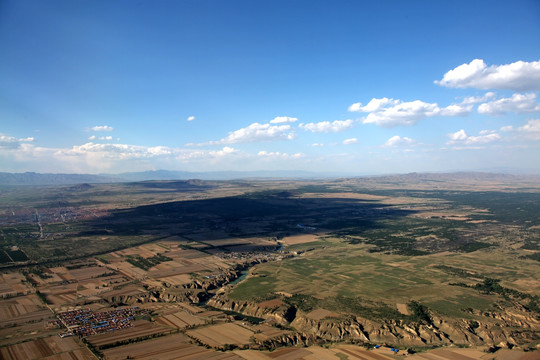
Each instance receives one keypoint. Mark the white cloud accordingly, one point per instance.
(456, 110)
(327, 126)
(398, 141)
(461, 138)
(116, 151)
(94, 137)
(257, 132)
(283, 120)
(350, 141)
(459, 135)
(532, 126)
(190, 118)
(103, 128)
(485, 132)
(10, 142)
(94, 157)
(520, 75)
(518, 103)
(122, 152)
(389, 112)
(478, 99)
(226, 150)
(317, 144)
(279, 155)
(531, 130)
(373, 106)
(482, 139)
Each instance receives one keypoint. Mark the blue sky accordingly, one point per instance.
(343, 86)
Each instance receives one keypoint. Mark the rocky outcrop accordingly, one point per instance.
(506, 329)
(277, 314)
(331, 329)
(292, 339)
(441, 332)
(196, 291)
(132, 298)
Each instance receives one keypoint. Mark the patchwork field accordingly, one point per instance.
(22, 309)
(140, 330)
(383, 353)
(166, 348)
(50, 348)
(180, 320)
(13, 284)
(217, 336)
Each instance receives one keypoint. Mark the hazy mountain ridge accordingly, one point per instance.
(219, 175)
(32, 178)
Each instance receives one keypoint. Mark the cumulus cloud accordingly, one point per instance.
(226, 150)
(102, 128)
(456, 110)
(518, 103)
(11, 142)
(105, 157)
(398, 141)
(257, 132)
(531, 130)
(520, 75)
(390, 113)
(459, 135)
(283, 120)
(279, 155)
(350, 141)
(116, 151)
(461, 138)
(190, 118)
(119, 152)
(94, 137)
(327, 126)
(373, 106)
(478, 99)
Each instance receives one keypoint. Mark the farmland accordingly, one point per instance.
(219, 336)
(51, 348)
(170, 347)
(140, 331)
(231, 270)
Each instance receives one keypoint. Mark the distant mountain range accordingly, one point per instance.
(32, 178)
(220, 175)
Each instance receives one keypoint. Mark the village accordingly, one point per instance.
(85, 322)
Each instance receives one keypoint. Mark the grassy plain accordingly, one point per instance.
(367, 266)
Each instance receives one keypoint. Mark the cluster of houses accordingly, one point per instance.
(85, 322)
